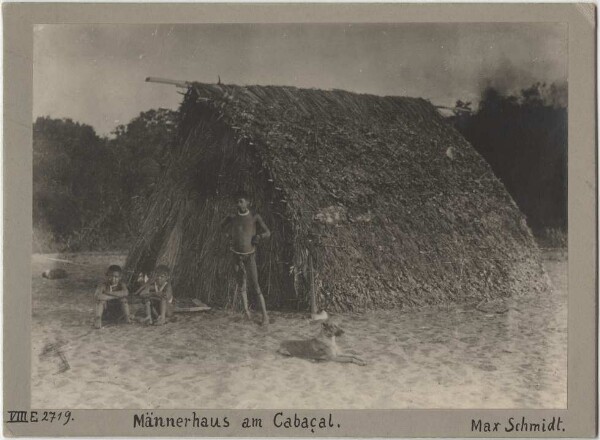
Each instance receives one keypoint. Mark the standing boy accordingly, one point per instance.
(112, 289)
(244, 238)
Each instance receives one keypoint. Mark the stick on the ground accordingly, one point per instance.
(64, 261)
(313, 298)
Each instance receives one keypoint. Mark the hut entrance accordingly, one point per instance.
(210, 168)
(238, 166)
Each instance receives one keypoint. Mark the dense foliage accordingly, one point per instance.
(142, 147)
(87, 189)
(524, 139)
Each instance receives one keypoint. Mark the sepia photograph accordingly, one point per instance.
(309, 216)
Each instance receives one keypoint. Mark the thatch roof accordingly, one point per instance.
(394, 207)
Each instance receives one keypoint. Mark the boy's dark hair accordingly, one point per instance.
(242, 194)
(162, 269)
(114, 268)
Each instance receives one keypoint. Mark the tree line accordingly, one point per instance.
(524, 138)
(89, 191)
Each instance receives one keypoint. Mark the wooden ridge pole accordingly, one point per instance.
(173, 82)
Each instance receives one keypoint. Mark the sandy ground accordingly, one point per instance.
(444, 357)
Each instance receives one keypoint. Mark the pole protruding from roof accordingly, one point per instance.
(173, 82)
(208, 90)
(454, 109)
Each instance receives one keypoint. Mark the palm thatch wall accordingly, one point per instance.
(387, 203)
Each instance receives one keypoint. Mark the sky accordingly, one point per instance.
(95, 74)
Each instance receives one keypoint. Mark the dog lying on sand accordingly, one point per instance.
(321, 348)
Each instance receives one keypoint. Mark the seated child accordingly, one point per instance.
(111, 290)
(158, 297)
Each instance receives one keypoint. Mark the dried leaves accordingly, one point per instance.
(364, 183)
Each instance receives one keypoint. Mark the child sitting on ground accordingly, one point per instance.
(158, 297)
(112, 289)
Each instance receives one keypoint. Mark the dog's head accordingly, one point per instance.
(330, 329)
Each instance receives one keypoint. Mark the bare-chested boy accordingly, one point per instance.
(242, 229)
(158, 297)
(112, 289)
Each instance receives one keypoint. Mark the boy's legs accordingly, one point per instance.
(125, 309)
(163, 312)
(253, 273)
(148, 306)
(240, 268)
(169, 310)
(100, 307)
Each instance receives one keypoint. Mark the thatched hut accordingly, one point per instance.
(372, 201)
